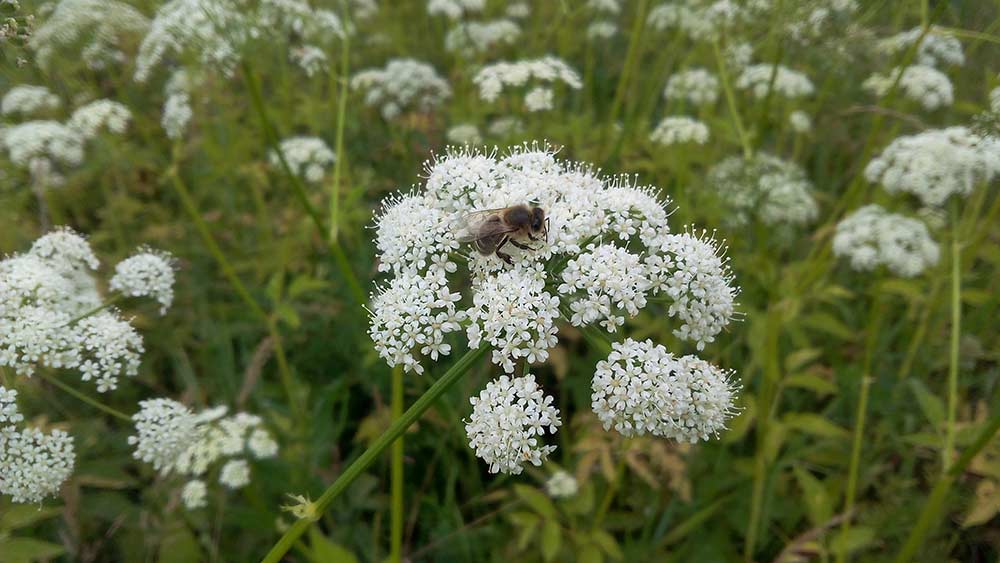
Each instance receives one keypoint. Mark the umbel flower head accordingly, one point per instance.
(538, 76)
(403, 85)
(600, 255)
(774, 190)
(925, 85)
(147, 273)
(33, 465)
(872, 237)
(309, 157)
(26, 99)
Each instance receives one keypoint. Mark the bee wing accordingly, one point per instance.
(480, 224)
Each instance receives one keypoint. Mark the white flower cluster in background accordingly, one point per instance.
(679, 129)
(786, 82)
(308, 157)
(561, 485)
(508, 423)
(26, 99)
(601, 30)
(538, 76)
(800, 121)
(403, 85)
(701, 20)
(518, 10)
(48, 140)
(90, 119)
(177, 110)
(872, 237)
(147, 273)
(775, 191)
(641, 388)
(472, 38)
(102, 24)
(48, 299)
(696, 85)
(606, 251)
(173, 439)
(33, 464)
(217, 31)
(454, 9)
(936, 164)
(309, 58)
(464, 134)
(936, 49)
(925, 85)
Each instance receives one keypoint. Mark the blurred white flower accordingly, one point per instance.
(518, 10)
(464, 134)
(48, 140)
(194, 495)
(539, 99)
(786, 82)
(698, 19)
(103, 23)
(936, 164)
(800, 121)
(926, 85)
(697, 85)
(26, 99)
(641, 388)
(88, 120)
(601, 30)
(235, 474)
(871, 237)
(679, 129)
(309, 58)
(147, 273)
(773, 190)
(472, 38)
(538, 76)
(936, 48)
(561, 485)
(308, 157)
(508, 423)
(8, 407)
(454, 9)
(164, 430)
(403, 85)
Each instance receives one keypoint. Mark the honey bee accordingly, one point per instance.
(491, 229)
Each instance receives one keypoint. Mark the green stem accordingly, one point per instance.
(918, 335)
(355, 469)
(631, 56)
(339, 143)
(396, 520)
(731, 101)
(765, 410)
(97, 309)
(609, 495)
(931, 512)
(84, 397)
(298, 188)
(956, 328)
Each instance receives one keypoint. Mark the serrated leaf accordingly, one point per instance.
(536, 500)
(815, 425)
(28, 549)
(325, 551)
(930, 405)
(21, 515)
(551, 540)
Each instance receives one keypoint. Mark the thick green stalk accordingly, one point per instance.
(345, 69)
(316, 509)
(84, 397)
(956, 329)
(298, 188)
(396, 519)
(931, 512)
(731, 101)
(234, 280)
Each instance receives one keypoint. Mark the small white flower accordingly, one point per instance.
(464, 134)
(800, 121)
(936, 48)
(308, 157)
(926, 85)
(88, 120)
(601, 30)
(34, 465)
(194, 495)
(508, 423)
(9, 414)
(561, 485)
(454, 9)
(602, 283)
(697, 85)
(539, 75)
(471, 38)
(164, 430)
(403, 85)
(235, 474)
(872, 237)
(539, 99)
(26, 99)
(309, 58)
(50, 140)
(698, 20)
(786, 82)
(104, 24)
(148, 273)
(261, 444)
(774, 190)
(679, 129)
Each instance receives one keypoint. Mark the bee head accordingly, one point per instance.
(537, 219)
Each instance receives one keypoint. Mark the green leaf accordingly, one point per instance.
(528, 531)
(801, 358)
(811, 382)
(589, 553)
(930, 405)
(608, 544)
(852, 539)
(582, 502)
(288, 314)
(28, 549)
(551, 540)
(829, 324)
(326, 551)
(815, 425)
(816, 497)
(179, 546)
(536, 500)
(21, 515)
(304, 284)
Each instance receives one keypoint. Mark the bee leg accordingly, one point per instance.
(532, 237)
(503, 255)
(521, 245)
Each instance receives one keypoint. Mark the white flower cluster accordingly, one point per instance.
(515, 308)
(696, 85)
(26, 99)
(308, 157)
(936, 164)
(800, 121)
(641, 388)
(33, 465)
(216, 31)
(147, 273)
(601, 30)
(813, 21)
(472, 38)
(50, 141)
(937, 48)
(872, 237)
(926, 85)
(173, 439)
(698, 19)
(403, 85)
(102, 23)
(41, 293)
(561, 485)
(606, 6)
(464, 134)
(786, 82)
(309, 58)
(177, 110)
(775, 191)
(679, 129)
(508, 423)
(454, 9)
(540, 75)
(88, 120)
